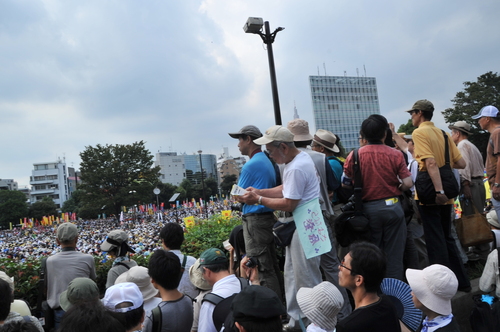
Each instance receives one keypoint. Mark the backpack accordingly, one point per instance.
(223, 314)
(343, 194)
(485, 317)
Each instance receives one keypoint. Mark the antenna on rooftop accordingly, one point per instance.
(345, 73)
(365, 69)
(318, 70)
(324, 67)
(357, 71)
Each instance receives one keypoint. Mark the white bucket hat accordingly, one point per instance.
(196, 277)
(321, 304)
(493, 218)
(434, 287)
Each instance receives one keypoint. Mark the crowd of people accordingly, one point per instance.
(294, 190)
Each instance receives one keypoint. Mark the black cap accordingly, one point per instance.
(256, 303)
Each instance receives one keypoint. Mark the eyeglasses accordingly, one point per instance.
(413, 112)
(345, 267)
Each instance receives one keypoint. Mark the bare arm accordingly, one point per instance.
(406, 184)
(275, 203)
(399, 141)
(460, 164)
(276, 192)
(433, 170)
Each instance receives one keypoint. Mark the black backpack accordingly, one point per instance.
(343, 194)
(223, 314)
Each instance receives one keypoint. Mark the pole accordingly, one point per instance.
(272, 71)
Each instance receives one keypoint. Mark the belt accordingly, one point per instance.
(257, 214)
(477, 177)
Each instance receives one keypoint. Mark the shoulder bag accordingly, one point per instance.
(424, 186)
(353, 225)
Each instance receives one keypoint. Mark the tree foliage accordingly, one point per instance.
(117, 175)
(227, 182)
(44, 208)
(476, 95)
(407, 128)
(13, 207)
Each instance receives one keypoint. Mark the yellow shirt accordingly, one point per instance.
(429, 143)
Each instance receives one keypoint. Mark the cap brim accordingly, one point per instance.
(419, 288)
(234, 135)
(106, 246)
(263, 141)
(477, 116)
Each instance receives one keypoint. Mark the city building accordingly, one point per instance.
(177, 167)
(341, 103)
(230, 166)
(50, 180)
(8, 184)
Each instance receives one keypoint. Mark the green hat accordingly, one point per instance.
(79, 290)
(67, 232)
(422, 105)
(213, 256)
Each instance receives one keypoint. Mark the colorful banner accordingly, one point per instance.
(311, 228)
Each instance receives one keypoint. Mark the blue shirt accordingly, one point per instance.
(258, 173)
(337, 171)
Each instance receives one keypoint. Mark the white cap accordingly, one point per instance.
(126, 292)
(490, 111)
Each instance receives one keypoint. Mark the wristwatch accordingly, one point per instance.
(496, 185)
(440, 192)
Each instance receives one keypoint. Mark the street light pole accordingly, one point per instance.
(254, 25)
(203, 185)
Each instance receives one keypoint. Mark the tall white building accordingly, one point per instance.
(341, 103)
(50, 179)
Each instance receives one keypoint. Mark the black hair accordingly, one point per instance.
(388, 138)
(374, 128)
(427, 114)
(19, 326)
(370, 262)
(302, 144)
(165, 268)
(267, 325)
(5, 299)
(87, 316)
(172, 235)
(132, 318)
(223, 266)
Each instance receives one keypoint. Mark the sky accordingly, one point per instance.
(180, 75)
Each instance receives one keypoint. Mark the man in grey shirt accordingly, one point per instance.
(65, 266)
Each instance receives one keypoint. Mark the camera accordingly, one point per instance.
(349, 206)
(236, 207)
(253, 25)
(252, 262)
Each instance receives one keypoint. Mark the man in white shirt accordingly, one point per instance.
(215, 266)
(300, 185)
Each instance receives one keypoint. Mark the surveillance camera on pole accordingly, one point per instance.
(253, 25)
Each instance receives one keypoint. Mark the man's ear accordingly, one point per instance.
(359, 280)
(154, 283)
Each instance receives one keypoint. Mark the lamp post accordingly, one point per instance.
(203, 185)
(254, 25)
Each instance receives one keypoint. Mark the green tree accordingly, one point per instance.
(407, 128)
(13, 207)
(476, 95)
(117, 175)
(227, 182)
(74, 203)
(44, 208)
